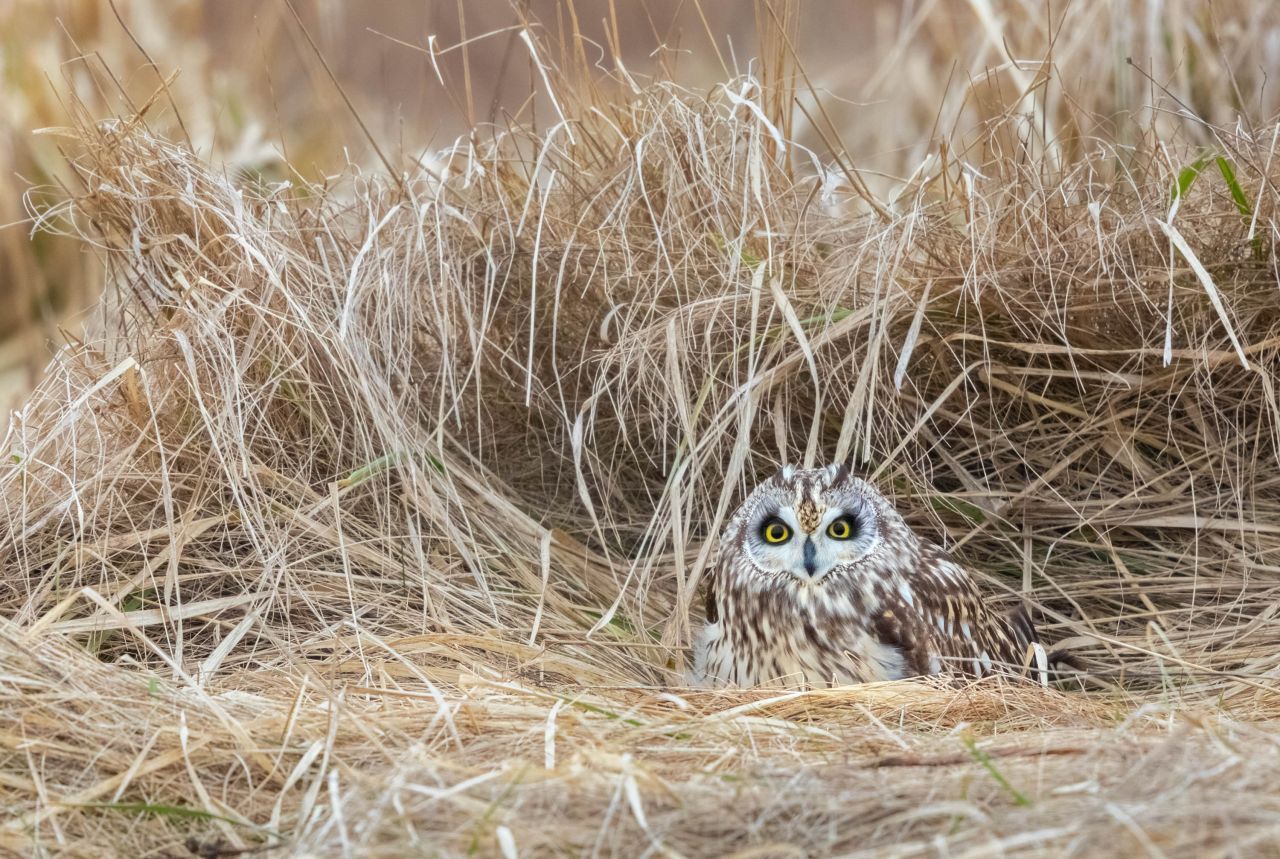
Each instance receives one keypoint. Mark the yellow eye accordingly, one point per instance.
(841, 529)
(775, 531)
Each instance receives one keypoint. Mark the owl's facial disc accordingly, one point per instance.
(810, 522)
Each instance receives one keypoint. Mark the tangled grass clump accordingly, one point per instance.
(375, 515)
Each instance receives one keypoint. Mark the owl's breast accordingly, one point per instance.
(815, 637)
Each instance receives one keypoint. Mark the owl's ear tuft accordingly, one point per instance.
(785, 474)
(837, 473)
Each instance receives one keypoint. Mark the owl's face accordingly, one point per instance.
(807, 523)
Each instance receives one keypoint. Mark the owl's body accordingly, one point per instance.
(821, 582)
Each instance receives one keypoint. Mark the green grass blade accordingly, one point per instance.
(1187, 177)
(178, 812)
(972, 513)
(382, 464)
(1019, 798)
(1237, 193)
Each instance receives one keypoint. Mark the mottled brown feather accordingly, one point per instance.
(900, 608)
(946, 604)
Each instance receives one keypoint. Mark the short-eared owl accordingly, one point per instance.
(821, 582)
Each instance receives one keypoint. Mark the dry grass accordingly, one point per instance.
(49, 54)
(371, 520)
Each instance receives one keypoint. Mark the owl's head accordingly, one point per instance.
(808, 522)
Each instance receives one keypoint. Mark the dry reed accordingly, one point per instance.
(371, 521)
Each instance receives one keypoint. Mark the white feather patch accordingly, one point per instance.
(904, 591)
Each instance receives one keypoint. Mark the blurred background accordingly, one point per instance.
(264, 87)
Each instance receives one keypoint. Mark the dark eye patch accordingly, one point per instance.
(774, 531)
(843, 528)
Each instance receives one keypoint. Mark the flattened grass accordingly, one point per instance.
(375, 515)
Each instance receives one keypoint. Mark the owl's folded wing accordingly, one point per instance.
(709, 601)
(942, 625)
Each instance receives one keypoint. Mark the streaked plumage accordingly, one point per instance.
(832, 604)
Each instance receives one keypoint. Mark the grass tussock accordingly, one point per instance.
(86, 51)
(374, 515)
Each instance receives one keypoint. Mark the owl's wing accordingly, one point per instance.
(941, 624)
(710, 603)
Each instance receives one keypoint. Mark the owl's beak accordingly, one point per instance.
(810, 557)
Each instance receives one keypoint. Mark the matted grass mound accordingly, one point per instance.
(374, 520)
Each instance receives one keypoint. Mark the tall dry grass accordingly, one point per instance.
(371, 519)
(110, 60)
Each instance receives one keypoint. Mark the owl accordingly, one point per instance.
(820, 582)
